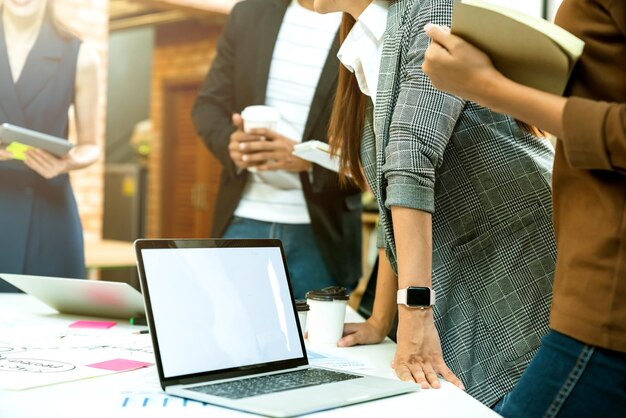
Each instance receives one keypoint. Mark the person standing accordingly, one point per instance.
(280, 53)
(44, 70)
(465, 209)
(580, 369)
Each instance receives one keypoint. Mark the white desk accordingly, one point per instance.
(137, 394)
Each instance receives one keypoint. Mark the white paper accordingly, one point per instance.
(42, 352)
(317, 152)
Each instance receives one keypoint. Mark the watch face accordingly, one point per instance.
(418, 296)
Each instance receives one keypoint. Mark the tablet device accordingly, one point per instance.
(11, 134)
(81, 297)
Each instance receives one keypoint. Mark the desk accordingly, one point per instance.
(108, 254)
(136, 393)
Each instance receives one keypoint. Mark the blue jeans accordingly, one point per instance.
(307, 269)
(569, 379)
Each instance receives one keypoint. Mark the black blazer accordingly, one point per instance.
(238, 78)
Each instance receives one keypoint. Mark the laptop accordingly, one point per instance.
(81, 297)
(224, 327)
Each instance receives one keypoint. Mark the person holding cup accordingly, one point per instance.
(270, 87)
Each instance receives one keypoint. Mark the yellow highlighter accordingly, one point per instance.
(17, 150)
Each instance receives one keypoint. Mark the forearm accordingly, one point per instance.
(413, 236)
(83, 156)
(535, 107)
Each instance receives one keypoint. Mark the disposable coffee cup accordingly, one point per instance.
(257, 117)
(326, 315)
(303, 308)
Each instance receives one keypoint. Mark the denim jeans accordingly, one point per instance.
(569, 379)
(307, 269)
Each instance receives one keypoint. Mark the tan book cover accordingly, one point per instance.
(529, 50)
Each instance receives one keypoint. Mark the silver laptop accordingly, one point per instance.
(81, 297)
(224, 327)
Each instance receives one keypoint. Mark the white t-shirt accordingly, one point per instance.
(300, 52)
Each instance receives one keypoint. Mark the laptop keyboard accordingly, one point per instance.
(239, 389)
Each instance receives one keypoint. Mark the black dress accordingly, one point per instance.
(40, 230)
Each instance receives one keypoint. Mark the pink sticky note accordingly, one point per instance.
(93, 324)
(120, 365)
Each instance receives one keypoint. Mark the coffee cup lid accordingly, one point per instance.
(301, 305)
(328, 294)
(260, 113)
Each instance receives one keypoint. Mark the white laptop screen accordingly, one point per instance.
(220, 308)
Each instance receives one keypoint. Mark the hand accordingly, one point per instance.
(275, 153)
(46, 164)
(4, 154)
(368, 332)
(419, 357)
(457, 67)
(238, 138)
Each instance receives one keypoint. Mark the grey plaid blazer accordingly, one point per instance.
(487, 182)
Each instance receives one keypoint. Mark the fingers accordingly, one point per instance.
(240, 136)
(442, 37)
(421, 373)
(237, 121)
(268, 133)
(433, 56)
(361, 333)
(429, 377)
(448, 375)
(43, 163)
(351, 335)
(404, 373)
(5, 155)
(426, 373)
(439, 34)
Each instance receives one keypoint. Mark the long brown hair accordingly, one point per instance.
(347, 119)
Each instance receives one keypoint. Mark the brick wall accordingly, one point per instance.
(183, 50)
(90, 20)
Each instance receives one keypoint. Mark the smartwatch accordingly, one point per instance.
(416, 297)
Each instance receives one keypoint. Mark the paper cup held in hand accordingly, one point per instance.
(326, 315)
(260, 117)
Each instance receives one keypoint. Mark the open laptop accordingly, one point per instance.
(224, 327)
(81, 297)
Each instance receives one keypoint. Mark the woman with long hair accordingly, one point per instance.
(465, 210)
(44, 71)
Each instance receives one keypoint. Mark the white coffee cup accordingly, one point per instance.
(303, 309)
(326, 315)
(255, 117)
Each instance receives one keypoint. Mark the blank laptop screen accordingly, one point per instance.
(219, 308)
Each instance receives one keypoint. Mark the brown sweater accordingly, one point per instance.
(590, 181)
